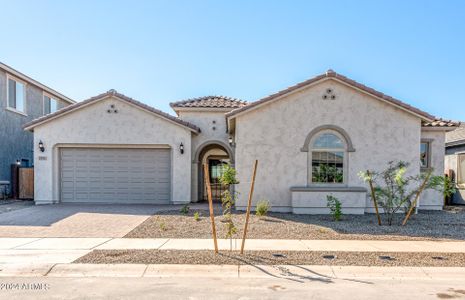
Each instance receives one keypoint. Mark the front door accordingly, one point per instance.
(215, 167)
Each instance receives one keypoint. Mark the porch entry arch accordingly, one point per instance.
(214, 153)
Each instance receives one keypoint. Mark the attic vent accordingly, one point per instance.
(329, 94)
(112, 109)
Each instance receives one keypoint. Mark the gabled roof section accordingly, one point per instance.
(209, 102)
(456, 137)
(29, 80)
(110, 93)
(331, 74)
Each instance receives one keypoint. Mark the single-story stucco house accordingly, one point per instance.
(311, 140)
(455, 161)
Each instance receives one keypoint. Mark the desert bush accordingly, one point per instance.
(185, 209)
(163, 226)
(335, 207)
(197, 216)
(263, 206)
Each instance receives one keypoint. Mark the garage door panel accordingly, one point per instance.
(115, 175)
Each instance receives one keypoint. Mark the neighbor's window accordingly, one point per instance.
(328, 158)
(461, 168)
(50, 105)
(425, 154)
(16, 94)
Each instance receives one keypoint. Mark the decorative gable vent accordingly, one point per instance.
(329, 94)
(112, 109)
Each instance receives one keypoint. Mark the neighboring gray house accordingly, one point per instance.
(455, 161)
(311, 140)
(22, 99)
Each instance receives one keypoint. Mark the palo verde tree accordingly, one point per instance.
(395, 192)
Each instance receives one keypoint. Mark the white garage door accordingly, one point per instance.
(115, 175)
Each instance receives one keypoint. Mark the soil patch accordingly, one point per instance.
(203, 257)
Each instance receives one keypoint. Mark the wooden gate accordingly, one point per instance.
(26, 183)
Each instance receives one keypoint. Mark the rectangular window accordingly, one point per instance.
(327, 167)
(425, 154)
(16, 94)
(50, 105)
(461, 168)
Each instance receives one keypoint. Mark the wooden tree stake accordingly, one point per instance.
(249, 204)
(210, 205)
(414, 204)
(373, 196)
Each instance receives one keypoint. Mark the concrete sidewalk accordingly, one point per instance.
(224, 244)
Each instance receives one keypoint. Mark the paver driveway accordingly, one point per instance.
(76, 220)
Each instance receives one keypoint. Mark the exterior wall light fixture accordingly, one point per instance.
(41, 146)
(181, 148)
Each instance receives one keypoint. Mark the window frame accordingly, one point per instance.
(459, 180)
(344, 160)
(14, 109)
(429, 143)
(45, 94)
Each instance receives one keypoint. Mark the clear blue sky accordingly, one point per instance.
(163, 51)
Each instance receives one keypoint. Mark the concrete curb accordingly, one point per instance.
(224, 244)
(293, 272)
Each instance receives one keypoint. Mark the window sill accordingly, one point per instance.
(328, 189)
(16, 111)
(425, 169)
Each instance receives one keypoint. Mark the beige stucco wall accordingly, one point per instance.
(431, 199)
(352, 202)
(275, 133)
(212, 124)
(92, 125)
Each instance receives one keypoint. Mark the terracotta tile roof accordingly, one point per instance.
(110, 93)
(210, 102)
(332, 74)
(440, 123)
(456, 137)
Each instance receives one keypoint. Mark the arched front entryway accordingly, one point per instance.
(215, 154)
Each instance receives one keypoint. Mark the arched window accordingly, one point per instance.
(328, 158)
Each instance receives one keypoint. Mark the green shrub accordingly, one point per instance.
(197, 216)
(163, 226)
(185, 209)
(229, 175)
(263, 206)
(334, 206)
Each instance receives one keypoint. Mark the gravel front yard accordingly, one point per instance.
(427, 225)
(267, 258)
